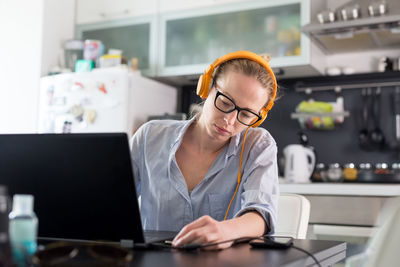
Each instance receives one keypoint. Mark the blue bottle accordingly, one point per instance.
(23, 225)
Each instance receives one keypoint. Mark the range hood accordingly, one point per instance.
(365, 33)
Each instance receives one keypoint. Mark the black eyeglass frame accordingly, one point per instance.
(235, 108)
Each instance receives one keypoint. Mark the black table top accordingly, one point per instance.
(326, 252)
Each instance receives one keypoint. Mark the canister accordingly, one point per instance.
(319, 174)
(350, 172)
(365, 173)
(335, 172)
(381, 168)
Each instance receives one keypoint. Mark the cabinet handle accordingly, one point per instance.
(114, 14)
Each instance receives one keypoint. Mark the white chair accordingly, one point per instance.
(383, 248)
(293, 216)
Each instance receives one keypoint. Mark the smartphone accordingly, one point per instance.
(272, 242)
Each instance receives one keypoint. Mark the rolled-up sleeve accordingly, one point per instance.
(260, 188)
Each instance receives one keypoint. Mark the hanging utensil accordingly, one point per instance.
(396, 105)
(363, 137)
(376, 136)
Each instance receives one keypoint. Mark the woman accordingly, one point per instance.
(197, 176)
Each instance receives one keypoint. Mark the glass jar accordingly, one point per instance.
(319, 174)
(396, 167)
(350, 172)
(365, 166)
(395, 172)
(335, 173)
(365, 173)
(381, 168)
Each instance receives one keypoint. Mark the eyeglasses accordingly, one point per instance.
(226, 105)
(62, 253)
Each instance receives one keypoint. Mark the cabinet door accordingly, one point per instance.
(89, 11)
(176, 5)
(135, 37)
(193, 39)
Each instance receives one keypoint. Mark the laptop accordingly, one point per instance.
(83, 185)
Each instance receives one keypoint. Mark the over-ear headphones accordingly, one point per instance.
(204, 83)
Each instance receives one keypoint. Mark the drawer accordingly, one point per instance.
(345, 210)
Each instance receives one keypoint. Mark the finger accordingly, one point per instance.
(196, 236)
(204, 220)
(188, 238)
(206, 238)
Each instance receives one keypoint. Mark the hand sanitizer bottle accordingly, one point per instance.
(23, 229)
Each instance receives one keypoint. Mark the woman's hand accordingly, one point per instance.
(204, 230)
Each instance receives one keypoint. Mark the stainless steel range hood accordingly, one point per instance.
(365, 33)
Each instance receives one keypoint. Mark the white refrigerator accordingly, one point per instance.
(104, 100)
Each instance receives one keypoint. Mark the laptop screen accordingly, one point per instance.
(82, 183)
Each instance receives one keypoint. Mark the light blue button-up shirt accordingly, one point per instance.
(165, 201)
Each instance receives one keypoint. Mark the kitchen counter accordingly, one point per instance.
(343, 211)
(342, 189)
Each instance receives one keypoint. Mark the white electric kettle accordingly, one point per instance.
(299, 163)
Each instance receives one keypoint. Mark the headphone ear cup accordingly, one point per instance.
(264, 113)
(200, 87)
(203, 85)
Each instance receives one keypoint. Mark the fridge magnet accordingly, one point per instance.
(59, 123)
(90, 115)
(102, 88)
(67, 127)
(77, 86)
(77, 112)
(50, 95)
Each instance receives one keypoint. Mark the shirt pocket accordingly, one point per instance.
(218, 204)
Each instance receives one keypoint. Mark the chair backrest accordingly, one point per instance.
(293, 216)
(383, 247)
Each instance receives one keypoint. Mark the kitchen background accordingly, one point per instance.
(175, 40)
(340, 144)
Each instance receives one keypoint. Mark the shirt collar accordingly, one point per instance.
(233, 145)
(181, 131)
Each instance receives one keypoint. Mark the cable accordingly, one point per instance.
(239, 174)
(235, 241)
(308, 253)
(190, 247)
(199, 246)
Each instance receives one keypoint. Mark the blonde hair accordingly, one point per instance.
(249, 68)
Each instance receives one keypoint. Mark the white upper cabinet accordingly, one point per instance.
(182, 37)
(192, 39)
(88, 11)
(176, 5)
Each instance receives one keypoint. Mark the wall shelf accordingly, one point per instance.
(347, 86)
(354, 81)
(304, 115)
(363, 34)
